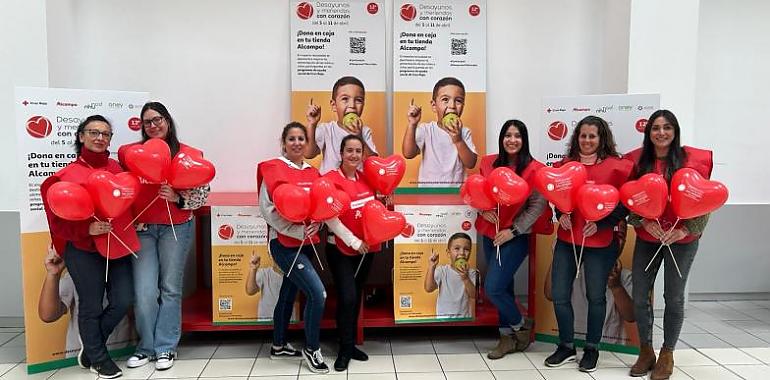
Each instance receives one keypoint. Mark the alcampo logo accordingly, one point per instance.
(304, 10)
(226, 232)
(408, 12)
(408, 231)
(39, 127)
(466, 226)
(557, 130)
(640, 125)
(134, 123)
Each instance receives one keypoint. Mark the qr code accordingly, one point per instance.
(226, 304)
(459, 46)
(405, 302)
(357, 45)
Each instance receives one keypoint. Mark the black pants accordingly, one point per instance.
(95, 320)
(348, 291)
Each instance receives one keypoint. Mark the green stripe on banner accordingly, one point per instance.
(428, 190)
(69, 362)
(580, 343)
(430, 320)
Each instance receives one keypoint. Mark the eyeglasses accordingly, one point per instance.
(93, 133)
(157, 120)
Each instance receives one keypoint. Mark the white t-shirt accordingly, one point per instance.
(121, 337)
(328, 137)
(452, 301)
(614, 330)
(269, 282)
(440, 165)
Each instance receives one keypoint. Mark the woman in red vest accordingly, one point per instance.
(516, 222)
(285, 238)
(593, 146)
(345, 248)
(86, 251)
(662, 153)
(166, 239)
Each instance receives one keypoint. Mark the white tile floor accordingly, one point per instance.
(720, 340)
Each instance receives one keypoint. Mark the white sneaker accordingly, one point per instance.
(137, 360)
(165, 361)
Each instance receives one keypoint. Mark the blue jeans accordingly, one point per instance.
(158, 276)
(303, 277)
(597, 263)
(499, 282)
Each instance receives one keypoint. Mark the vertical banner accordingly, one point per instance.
(46, 125)
(331, 40)
(618, 334)
(245, 282)
(434, 40)
(626, 115)
(434, 263)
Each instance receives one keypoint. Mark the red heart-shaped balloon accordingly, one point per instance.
(150, 160)
(596, 201)
(326, 201)
(558, 185)
(693, 196)
(506, 187)
(647, 196)
(190, 170)
(384, 174)
(112, 193)
(475, 193)
(380, 224)
(70, 201)
(292, 202)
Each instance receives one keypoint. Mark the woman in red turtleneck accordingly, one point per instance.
(86, 250)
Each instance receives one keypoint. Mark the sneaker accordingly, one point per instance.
(562, 355)
(284, 352)
(106, 369)
(83, 360)
(315, 361)
(137, 360)
(588, 362)
(165, 361)
(359, 355)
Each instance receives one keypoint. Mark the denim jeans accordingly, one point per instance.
(673, 291)
(158, 276)
(303, 277)
(498, 284)
(348, 288)
(597, 263)
(95, 321)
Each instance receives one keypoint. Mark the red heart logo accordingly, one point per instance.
(596, 201)
(226, 232)
(557, 130)
(693, 196)
(380, 224)
(150, 160)
(190, 170)
(39, 127)
(134, 123)
(304, 10)
(408, 231)
(292, 202)
(70, 201)
(112, 193)
(408, 12)
(475, 193)
(640, 125)
(647, 196)
(558, 185)
(326, 201)
(506, 187)
(474, 10)
(384, 174)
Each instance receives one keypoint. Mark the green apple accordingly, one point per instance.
(461, 264)
(350, 119)
(449, 120)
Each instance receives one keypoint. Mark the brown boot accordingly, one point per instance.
(644, 363)
(524, 334)
(505, 346)
(664, 367)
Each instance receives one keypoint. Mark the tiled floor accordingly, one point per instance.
(720, 340)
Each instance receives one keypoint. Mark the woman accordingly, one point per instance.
(512, 237)
(87, 249)
(286, 238)
(165, 227)
(345, 248)
(662, 153)
(593, 146)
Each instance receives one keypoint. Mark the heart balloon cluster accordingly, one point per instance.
(321, 202)
(152, 161)
(104, 194)
(384, 174)
(502, 186)
(567, 189)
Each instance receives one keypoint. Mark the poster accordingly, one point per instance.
(447, 289)
(46, 122)
(626, 115)
(245, 281)
(433, 40)
(331, 40)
